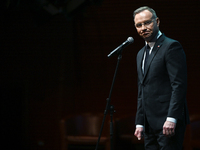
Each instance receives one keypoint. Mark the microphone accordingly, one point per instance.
(122, 46)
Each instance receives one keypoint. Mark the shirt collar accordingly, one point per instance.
(151, 44)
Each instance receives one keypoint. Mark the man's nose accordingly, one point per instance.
(144, 27)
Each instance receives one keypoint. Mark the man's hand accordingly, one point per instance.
(138, 132)
(169, 128)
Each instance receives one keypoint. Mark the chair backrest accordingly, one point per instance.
(195, 126)
(85, 125)
(125, 125)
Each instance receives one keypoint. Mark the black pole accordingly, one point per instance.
(111, 127)
(111, 108)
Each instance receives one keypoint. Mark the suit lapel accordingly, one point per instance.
(155, 49)
(140, 59)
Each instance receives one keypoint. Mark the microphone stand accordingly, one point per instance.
(111, 108)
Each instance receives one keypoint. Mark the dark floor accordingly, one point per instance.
(100, 147)
(121, 147)
(85, 147)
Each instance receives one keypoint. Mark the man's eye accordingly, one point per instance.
(147, 22)
(138, 25)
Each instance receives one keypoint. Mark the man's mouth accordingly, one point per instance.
(145, 33)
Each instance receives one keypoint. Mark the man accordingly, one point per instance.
(162, 112)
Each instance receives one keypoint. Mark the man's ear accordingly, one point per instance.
(158, 21)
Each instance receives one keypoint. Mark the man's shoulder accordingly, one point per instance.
(169, 40)
(169, 43)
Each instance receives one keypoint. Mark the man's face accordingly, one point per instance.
(146, 27)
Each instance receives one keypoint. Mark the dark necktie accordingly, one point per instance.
(147, 56)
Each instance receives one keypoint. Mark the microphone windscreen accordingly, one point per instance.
(130, 39)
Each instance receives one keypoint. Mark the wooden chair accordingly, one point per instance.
(192, 135)
(83, 130)
(125, 127)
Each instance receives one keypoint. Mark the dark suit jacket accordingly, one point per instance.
(162, 89)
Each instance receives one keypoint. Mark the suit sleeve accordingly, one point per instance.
(139, 120)
(177, 71)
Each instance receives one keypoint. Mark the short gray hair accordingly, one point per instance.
(137, 11)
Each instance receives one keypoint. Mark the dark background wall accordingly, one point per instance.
(53, 65)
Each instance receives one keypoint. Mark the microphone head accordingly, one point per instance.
(130, 39)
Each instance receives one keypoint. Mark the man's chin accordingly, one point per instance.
(147, 39)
